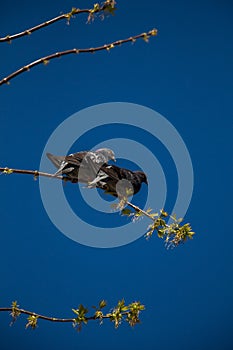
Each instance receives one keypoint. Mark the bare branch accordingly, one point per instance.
(45, 60)
(36, 173)
(107, 5)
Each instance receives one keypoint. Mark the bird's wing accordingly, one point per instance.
(129, 185)
(116, 173)
(70, 162)
(106, 174)
(76, 158)
(91, 166)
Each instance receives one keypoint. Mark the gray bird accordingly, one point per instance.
(82, 166)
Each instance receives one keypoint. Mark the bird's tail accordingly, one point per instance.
(56, 160)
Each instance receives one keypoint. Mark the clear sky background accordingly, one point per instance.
(186, 75)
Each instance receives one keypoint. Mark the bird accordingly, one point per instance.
(119, 182)
(81, 166)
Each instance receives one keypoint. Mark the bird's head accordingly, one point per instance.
(107, 152)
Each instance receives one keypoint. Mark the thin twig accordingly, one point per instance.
(36, 173)
(173, 233)
(67, 16)
(29, 31)
(47, 318)
(137, 209)
(45, 60)
(51, 319)
(130, 313)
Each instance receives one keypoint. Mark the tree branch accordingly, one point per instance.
(173, 234)
(107, 6)
(45, 60)
(129, 313)
(26, 312)
(36, 173)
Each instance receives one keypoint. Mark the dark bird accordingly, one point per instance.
(82, 166)
(119, 181)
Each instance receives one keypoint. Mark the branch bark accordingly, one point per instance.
(45, 60)
(96, 9)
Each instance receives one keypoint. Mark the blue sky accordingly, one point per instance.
(186, 75)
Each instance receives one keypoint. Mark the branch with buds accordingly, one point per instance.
(173, 233)
(46, 59)
(121, 312)
(108, 7)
